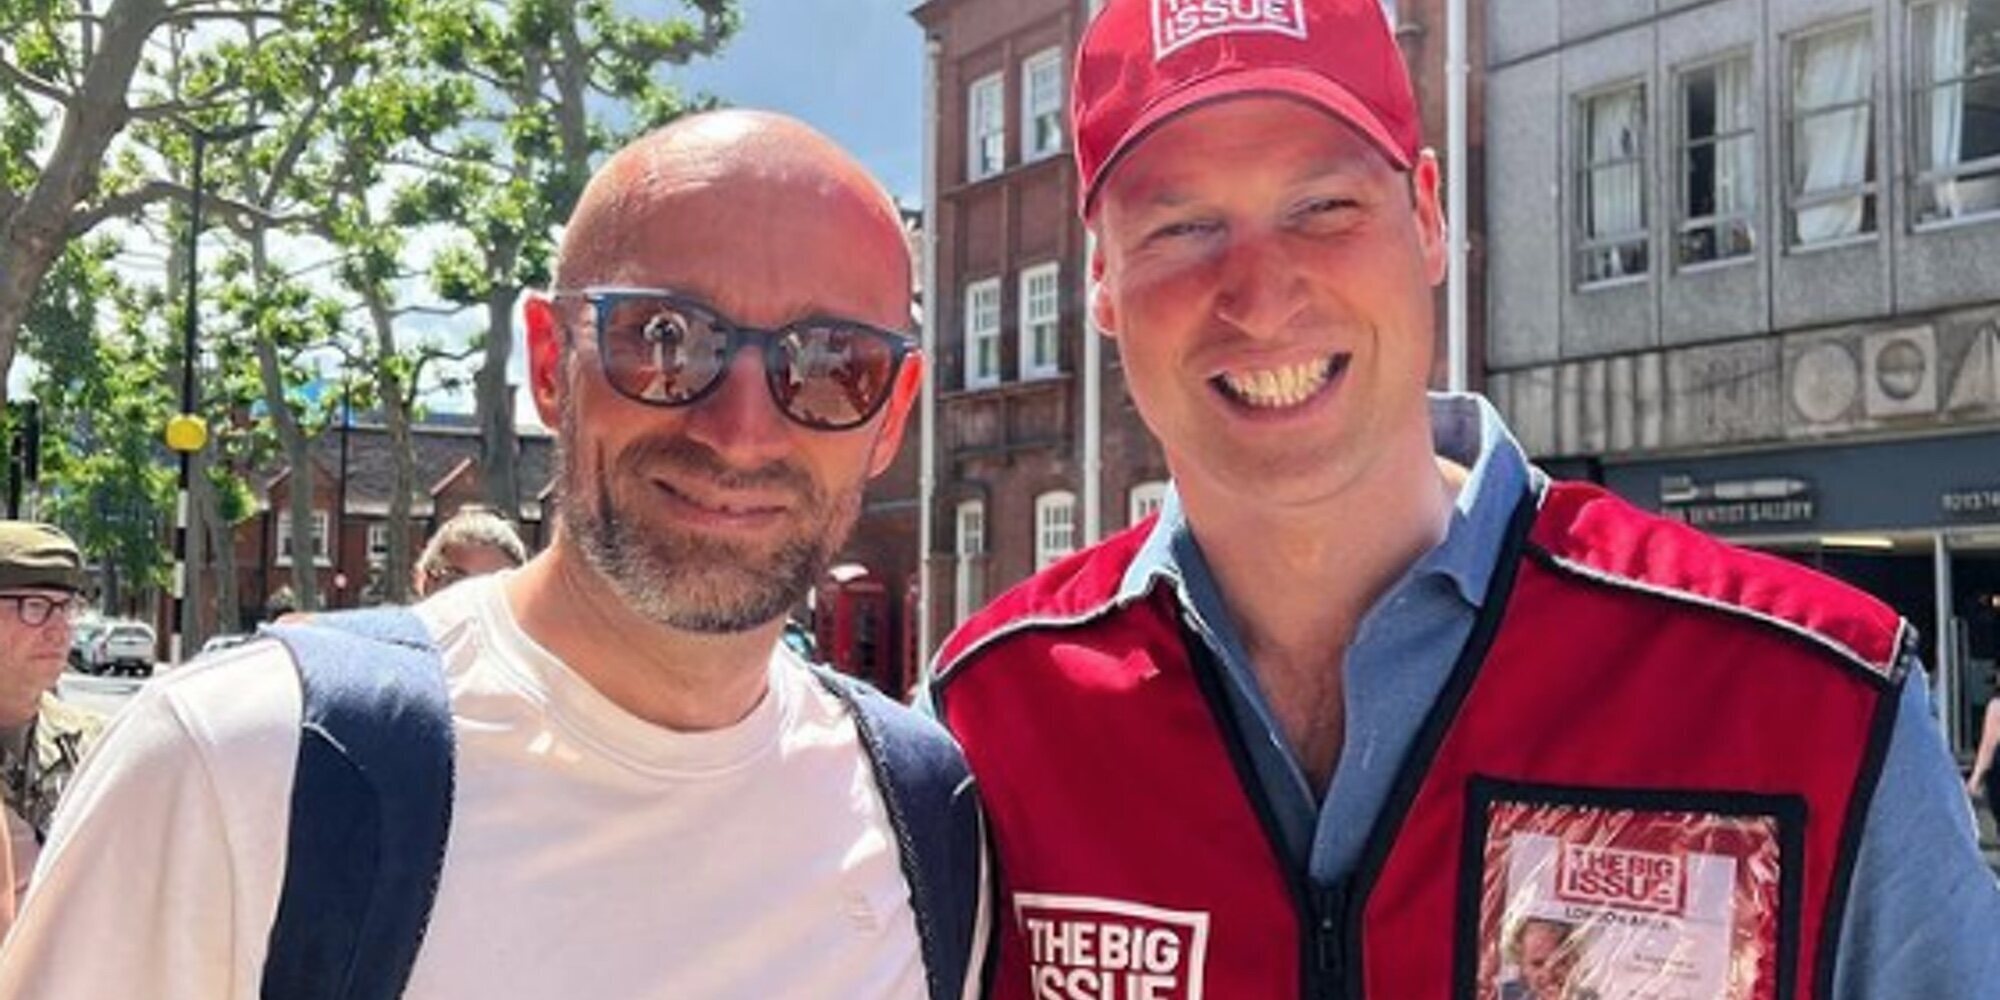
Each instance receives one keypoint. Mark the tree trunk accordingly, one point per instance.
(221, 542)
(395, 399)
(499, 472)
(33, 233)
(298, 450)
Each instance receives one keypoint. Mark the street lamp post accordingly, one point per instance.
(186, 433)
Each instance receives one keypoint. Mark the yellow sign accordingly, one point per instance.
(186, 433)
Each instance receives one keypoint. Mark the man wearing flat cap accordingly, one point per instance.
(41, 739)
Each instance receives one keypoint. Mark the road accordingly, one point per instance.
(101, 694)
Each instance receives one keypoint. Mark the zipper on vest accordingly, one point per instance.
(1321, 909)
(1329, 940)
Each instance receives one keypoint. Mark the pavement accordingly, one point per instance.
(105, 695)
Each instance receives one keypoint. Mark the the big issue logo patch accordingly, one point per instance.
(1090, 948)
(1183, 22)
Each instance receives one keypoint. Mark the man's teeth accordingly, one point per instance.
(1278, 387)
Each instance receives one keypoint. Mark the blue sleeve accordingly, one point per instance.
(1923, 917)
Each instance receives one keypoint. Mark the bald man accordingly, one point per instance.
(653, 797)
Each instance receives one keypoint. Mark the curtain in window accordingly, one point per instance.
(1940, 137)
(1615, 206)
(1831, 147)
(1735, 158)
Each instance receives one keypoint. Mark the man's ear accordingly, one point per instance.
(545, 351)
(902, 399)
(1103, 309)
(1431, 237)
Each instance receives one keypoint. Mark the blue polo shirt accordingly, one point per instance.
(1924, 913)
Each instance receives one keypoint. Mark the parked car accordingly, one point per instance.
(125, 647)
(83, 643)
(225, 641)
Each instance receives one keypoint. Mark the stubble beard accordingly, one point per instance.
(683, 579)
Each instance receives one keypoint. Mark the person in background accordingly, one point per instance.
(42, 739)
(1370, 680)
(1984, 781)
(473, 542)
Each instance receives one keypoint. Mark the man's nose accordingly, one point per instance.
(1259, 288)
(740, 420)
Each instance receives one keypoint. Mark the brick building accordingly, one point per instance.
(350, 548)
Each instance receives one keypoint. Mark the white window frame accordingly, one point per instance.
(1795, 117)
(378, 543)
(982, 332)
(1042, 106)
(1055, 527)
(1041, 314)
(970, 549)
(1628, 251)
(1933, 187)
(1730, 236)
(322, 531)
(1144, 499)
(985, 127)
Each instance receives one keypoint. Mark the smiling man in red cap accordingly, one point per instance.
(1372, 695)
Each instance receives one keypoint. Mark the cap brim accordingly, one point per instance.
(1296, 84)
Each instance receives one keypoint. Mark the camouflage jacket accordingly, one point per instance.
(61, 735)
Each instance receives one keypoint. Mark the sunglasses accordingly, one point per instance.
(665, 349)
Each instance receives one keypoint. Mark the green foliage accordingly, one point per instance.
(106, 396)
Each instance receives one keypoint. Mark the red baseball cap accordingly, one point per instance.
(1145, 61)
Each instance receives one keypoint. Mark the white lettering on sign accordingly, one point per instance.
(1177, 23)
(1091, 948)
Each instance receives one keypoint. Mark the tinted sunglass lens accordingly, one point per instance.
(658, 351)
(831, 376)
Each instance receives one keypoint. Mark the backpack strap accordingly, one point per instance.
(371, 807)
(933, 805)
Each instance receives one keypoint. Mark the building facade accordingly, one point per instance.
(1767, 305)
(1025, 469)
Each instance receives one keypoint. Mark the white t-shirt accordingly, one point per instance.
(592, 854)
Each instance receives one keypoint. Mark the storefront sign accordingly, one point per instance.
(1736, 503)
(1978, 502)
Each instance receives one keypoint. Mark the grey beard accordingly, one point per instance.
(688, 582)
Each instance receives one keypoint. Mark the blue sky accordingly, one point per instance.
(854, 69)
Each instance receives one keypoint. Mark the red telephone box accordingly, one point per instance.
(853, 630)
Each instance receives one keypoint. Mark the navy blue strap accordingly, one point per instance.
(371, 807)
(934, 807)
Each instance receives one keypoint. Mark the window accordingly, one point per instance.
(1042, 104)
(1955, 123)
(1718, 163)
(319, 534)
(968, 592)
(1041, 337)
(982, 333)
(1145, 500)
(1055, 527)
(985, 128)
(378, 544)
(1612, 184)
(1832, 136)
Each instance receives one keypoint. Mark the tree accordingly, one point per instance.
(509, 170)
(65, 63)
(105, 396)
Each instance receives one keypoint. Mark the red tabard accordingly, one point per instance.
(1683, 730)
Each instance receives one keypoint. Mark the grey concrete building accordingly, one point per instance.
(1741, 268)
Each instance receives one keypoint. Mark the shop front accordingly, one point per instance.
(1914, 521)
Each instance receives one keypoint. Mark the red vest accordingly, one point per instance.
(1650, 765)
